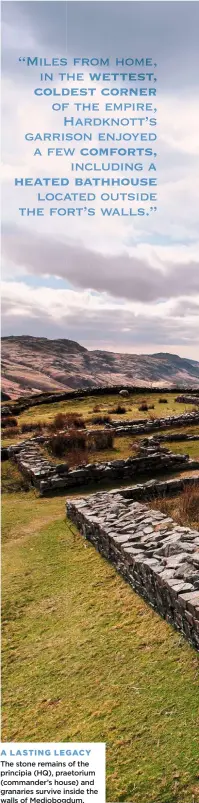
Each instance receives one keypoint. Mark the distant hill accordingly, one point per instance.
(36, 364)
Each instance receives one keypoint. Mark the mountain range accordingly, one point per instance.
(36, 364)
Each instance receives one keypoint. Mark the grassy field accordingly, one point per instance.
(84, 658)
(122, 448)
(184, 447)
(106, 404)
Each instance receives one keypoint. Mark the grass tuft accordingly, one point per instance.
(184, 508)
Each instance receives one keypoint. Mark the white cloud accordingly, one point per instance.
(152, 262)
(98, 319)
(141, 273)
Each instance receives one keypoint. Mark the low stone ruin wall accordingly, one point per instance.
(143, 426)
(186, 399)
(159, 558)
(171, 436)
(48, 477)
(153, 489)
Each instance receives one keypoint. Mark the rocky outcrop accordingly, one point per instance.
(159, 558)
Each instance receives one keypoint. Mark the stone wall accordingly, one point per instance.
(159, 558)
(153, 489)
(120, 428)
(187, 399)
(48, 477)
(170, 437)
(143, 426)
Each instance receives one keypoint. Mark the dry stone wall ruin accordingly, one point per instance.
(187, 399)
(143, 425)
(48, 477)
(159, 558)
(169, 437)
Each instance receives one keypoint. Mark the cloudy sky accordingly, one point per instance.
(126, 284)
